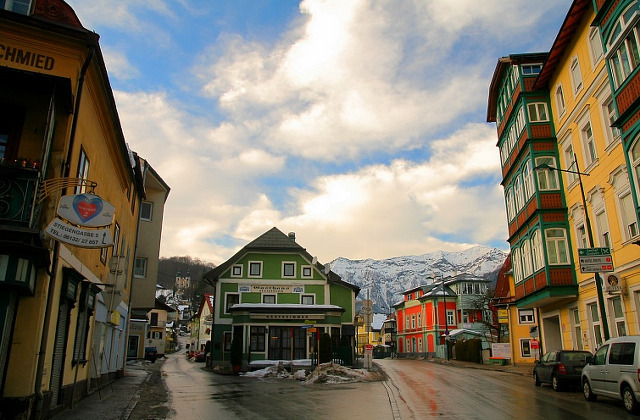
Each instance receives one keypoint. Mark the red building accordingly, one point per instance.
(424, 317)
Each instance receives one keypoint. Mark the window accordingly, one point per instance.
(519, 193)
(610, 114)
(576, 76)
(83, 172)
(307, 299)
(255, 269)
(526, 316)
(537, 251)
(618, 315)
(557, 247)
(560, 100)
(236, 270)
(547, 179)
(146, 211)
(511, 205)
(569, 158)
(307, 271)
(525, 347)
(529, 183)
(116, 238)
(257, 338)
(602, 228)
(629, 220)
(577, 329)
(451, 320)
(634, 158)
(528, 69)
(589, 144)
(623, 54)
(288, 269)
(19, 6)
(231, 299)
(413, 322)
(581, 236)
(156, 335)
(407, 323)
(517, 265)
(82, 325)
(622, 353)
(527, 266)
(419, 321)
(538, 112)
(227, 340)
(595, 325)
(140, 268)
(271, 299)
(595, 46)
(600, 355)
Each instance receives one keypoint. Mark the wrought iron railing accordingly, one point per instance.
(18, 189)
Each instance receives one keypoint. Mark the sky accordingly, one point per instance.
(360, 125)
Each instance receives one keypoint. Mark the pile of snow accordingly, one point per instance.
(328, 373)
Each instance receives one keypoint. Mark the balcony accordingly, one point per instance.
(18, 190)
(547, 287)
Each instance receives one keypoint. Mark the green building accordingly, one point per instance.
(279, 299)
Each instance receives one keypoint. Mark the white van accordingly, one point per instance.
(614, 372)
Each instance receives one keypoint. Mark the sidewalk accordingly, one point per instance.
(523, 369)
(116, 400)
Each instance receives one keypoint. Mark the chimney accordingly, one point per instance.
(292, 236)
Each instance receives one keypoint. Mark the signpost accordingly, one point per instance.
(595, 260)
(368, 355)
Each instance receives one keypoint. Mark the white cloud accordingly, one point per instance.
(119, 65)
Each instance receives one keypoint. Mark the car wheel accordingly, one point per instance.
(629, 399)
(586, 390)
(555, 383)
(536, 381)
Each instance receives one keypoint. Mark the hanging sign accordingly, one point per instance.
(86, 210)
(84, 238)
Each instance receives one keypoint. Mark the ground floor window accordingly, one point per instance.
(525, 347)
(280, 343)
(257, 338)
(595, 324)
(227, 340)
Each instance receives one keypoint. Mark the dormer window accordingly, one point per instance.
(19, 6)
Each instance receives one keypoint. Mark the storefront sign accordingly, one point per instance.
(612, 284)
(503, 316)
(26, 58)
(270, 289)
(84, 238)
(287, 316)
(86, 210)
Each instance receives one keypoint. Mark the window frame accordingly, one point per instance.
(303, 296)
(82, 172)
(303, 268)
(561, 105)
(526, 316)
(550, 177)
(236, 270)
(557, 241)
(226, 301)
(268, 296)
(136, 267)
(285, 266)
(143, 213)
(538, 112)
(253, 264)
(576, 75)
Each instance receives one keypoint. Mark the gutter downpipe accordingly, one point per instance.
(56, 247)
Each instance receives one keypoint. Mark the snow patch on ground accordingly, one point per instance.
(328, 373)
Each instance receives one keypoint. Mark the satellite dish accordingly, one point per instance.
(327, 269)
(314, 260)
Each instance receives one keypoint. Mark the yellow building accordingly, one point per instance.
(69, 227)
(582, 184)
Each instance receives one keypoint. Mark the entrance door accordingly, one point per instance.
(280, 343)
(134, 344)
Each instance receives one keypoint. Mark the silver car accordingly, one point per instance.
(614, 372)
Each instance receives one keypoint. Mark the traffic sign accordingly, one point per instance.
(595, 260)
(535, 344)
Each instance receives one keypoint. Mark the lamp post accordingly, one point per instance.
(603, 314)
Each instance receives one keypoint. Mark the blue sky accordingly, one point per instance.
(358, 124)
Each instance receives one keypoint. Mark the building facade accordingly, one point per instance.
(68, 215)
(270, 294)
(568, 176)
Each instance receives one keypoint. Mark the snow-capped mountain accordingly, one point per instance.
(385, 280)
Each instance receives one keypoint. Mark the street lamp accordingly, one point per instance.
(603, 314)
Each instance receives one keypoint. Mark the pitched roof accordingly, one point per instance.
(275, 240)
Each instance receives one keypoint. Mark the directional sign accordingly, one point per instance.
(595, 260)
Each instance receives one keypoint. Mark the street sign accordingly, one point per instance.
(595, 260)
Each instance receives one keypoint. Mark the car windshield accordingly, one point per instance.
(577, 356)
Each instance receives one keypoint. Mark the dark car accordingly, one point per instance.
(560, 368)
(151, 353)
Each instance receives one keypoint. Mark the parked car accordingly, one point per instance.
(614, 372)
(151, 353)
(200, 356)
(560, 368)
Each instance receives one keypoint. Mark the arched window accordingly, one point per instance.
(537, 251)
(557, 247)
